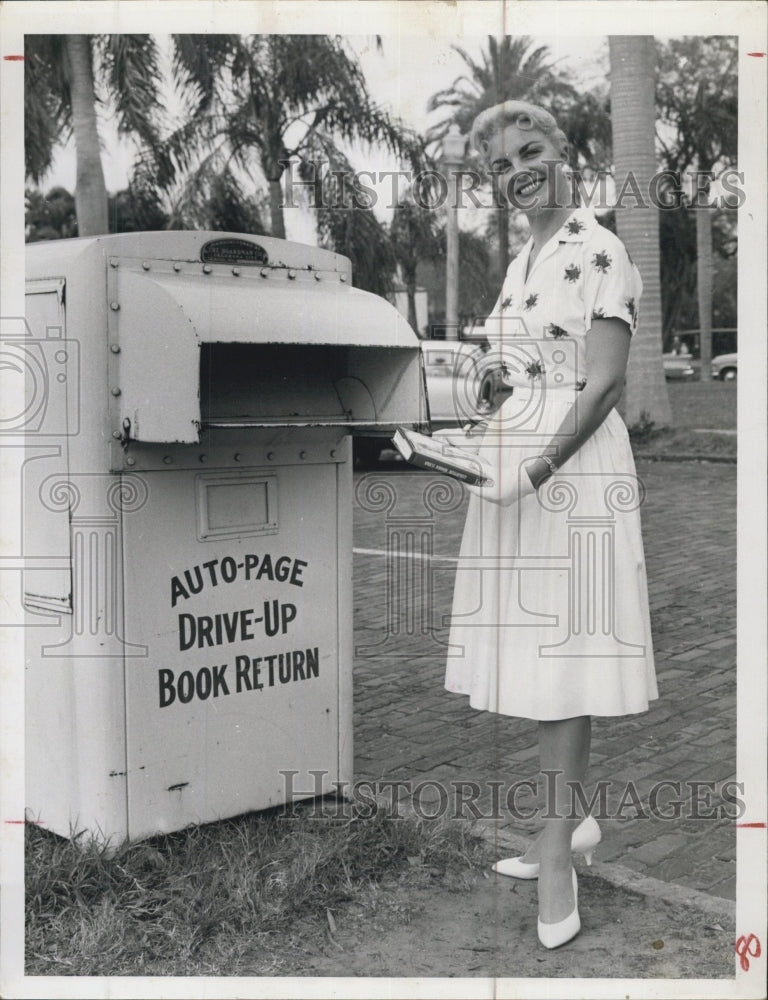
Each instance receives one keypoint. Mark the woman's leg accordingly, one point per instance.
(563, 756)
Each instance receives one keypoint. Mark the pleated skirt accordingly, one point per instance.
(550, 614)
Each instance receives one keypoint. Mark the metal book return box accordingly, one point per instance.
(187, 530)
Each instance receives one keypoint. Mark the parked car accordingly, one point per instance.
(678, 366)
(725, 367)
(459, 390)
(455, 380)
(724, 340)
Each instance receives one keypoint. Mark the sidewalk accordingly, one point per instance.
(407, 728)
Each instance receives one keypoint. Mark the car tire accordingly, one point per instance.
(728, 375)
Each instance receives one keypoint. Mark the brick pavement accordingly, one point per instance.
(408, 728)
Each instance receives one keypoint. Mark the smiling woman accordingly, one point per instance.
(527, 176)
(550, 613)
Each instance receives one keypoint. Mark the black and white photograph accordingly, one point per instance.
(383, 482)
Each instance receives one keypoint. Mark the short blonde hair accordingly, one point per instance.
(519, 113)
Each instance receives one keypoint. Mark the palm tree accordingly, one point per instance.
(49, 217)
(270, 101)
(60, 98)
(633, 118)
(415, 237)
(698, 97)
(347, 224)
(510, 69)
(218, 202)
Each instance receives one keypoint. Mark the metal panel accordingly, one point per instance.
(51, 366)
(75, 706)
(275, 310)
(154, 363)
(237, 505)
(242, 677)
(305, 352)
(345, 615)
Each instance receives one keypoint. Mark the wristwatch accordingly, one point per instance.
(552, 469)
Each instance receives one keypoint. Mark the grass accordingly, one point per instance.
(709, 404)
(235, 897)
(701, 412)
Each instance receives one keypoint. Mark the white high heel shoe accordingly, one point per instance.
(585, 839)
(553, 935)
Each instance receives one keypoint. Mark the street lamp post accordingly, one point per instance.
(454, 145)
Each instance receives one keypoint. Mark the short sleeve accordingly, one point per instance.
(612, 283)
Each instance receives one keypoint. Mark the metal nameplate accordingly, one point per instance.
(229, 251)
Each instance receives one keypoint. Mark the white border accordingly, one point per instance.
(449, 20)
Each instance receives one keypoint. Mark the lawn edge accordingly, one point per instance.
(625, 878)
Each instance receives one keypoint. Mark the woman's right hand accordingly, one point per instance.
(468, 437)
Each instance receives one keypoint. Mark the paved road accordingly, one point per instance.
(408, 728)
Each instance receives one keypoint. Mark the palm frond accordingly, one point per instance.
(47, 113)
(198, 64)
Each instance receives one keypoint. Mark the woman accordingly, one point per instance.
(550, 615)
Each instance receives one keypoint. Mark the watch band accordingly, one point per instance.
(550, 463)
(552, 470)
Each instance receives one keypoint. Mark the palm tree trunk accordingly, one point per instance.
(704, 287)
(502, 216)
(90, 190)
(633, 123)
(277, 217)
(410, 284)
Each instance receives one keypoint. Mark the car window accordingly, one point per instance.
(439, 357)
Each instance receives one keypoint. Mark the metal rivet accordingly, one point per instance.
(237, 456)
(207, 268)
(264, 272)
(203, 458)
(113, 263)
(130, 461)
(302, 454)
(116, 435)
(291, 274)
(145, 265)
(115, 348)
(177, 267)
(114, 306)
(333, 453)
(167, 460)
(270, 455)
(318, 277)
(343, 277)
(236, 271)
(115, 390)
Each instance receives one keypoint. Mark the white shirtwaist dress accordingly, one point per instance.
(550, 612)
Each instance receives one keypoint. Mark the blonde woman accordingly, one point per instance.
(550, 618)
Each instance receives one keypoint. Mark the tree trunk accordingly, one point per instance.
(633, 124)
(90, 189)
(277, 217)
(452, 274)
(410, 285)
(704, 287)
(502, 216)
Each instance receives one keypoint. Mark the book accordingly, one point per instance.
(439, 456)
